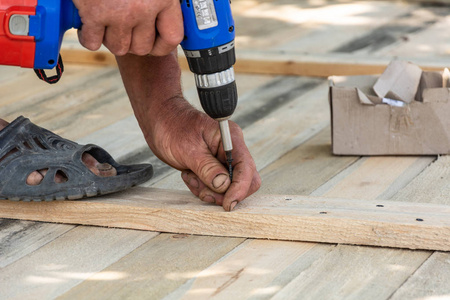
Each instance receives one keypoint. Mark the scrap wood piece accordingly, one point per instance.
(278, 62)
(293, 218)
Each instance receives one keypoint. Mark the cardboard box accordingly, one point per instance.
(365, 122)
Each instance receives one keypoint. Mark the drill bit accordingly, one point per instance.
(230, 166)
(227, 144)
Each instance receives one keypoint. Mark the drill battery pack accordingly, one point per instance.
(31, 31)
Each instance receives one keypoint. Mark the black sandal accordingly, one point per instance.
(25, 148)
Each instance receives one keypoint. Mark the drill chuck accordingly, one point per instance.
(217, 93)
(214, 77)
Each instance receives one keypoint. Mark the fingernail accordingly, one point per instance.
(209, 199)
(184, 175)
(219, 180)
(233, 205)
(194, 183)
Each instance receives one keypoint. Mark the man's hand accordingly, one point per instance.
(140, 27)
(184, 137)
(190, 141)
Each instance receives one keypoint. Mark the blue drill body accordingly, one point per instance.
(48, 25)
(197, 39)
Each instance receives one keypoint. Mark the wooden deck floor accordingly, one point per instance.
(47, 261)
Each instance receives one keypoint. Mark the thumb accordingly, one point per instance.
(212, 173)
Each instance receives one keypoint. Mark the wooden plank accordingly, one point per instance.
(363, 277)
(433, 42)
(364, 181)
(15, 97)
(432, 186)
(394, 33)
(67, 261)
(305, 168)
(300, 218)
(290, 63)
(252, 270)
(432, 277)
(19, 238)
(338, 23)
(432, 2)
(155, 268)
(430, 281)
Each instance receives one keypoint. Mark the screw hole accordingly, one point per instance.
(323, 213)
(419, 220)
(51, 62)
(380, 205)
(288, 199)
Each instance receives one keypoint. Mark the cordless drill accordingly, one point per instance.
(31, 33)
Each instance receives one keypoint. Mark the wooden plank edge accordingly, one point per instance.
(278, 63)
(296, 218)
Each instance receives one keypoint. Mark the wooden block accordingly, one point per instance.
(280, 63)
(298, 218)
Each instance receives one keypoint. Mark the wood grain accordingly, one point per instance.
(248, 271)
(20, 238)
(67, 261)
(431, 278)
(369, 273)
(300, 218)
(156, 268)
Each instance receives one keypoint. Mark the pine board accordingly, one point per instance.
(292, 63)
(299, 218)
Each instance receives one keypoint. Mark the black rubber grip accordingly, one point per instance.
(219, 102)
(211, 61)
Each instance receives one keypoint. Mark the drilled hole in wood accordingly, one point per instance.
(288, 199)
(380, 205)
(323, 212)
(419, 220)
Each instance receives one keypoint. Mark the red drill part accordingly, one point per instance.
(16, 50)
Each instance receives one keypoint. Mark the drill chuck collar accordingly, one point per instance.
(214, 76)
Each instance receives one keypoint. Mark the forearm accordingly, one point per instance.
(150, 80)
(153, 85)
